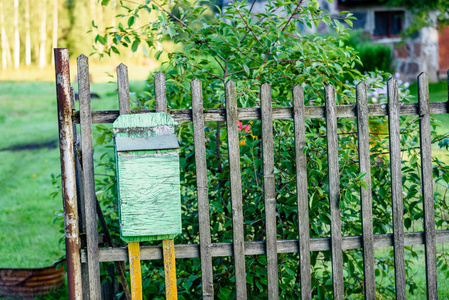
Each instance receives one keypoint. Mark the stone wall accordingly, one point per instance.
(411, 57)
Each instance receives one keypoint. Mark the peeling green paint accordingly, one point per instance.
(148, 181)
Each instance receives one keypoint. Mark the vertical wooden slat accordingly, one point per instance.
(269, 190)
(135, 271)
(160, 92)
(236, 189)
(427, 187)
(88, 175)
(171, 290)
(123, 89)
(334, 192)
(301, 192)
(201, 184)
(396, 188)
(365, 193)
(80, 200)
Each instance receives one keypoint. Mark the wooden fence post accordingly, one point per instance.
(269, 192)
(202, 190)
(396, 188)
(89, 180)
(334, 192)
(68, 176)
(427, 187)
(302, 192)
(236, 189)
(365, 193)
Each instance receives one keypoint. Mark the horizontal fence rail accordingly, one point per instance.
(258, 247)
(279, 113)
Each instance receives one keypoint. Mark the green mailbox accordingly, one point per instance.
(147, 162)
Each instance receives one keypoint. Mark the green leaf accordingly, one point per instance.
(407, 223)
(158, 54)
(145, 51)
(131, 21)
(105, 2)
(135, 45)
(246, 69)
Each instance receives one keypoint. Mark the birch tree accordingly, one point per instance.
(16, 35)
(55, 29)
(6, 54)
(27, 34)
(43, 34)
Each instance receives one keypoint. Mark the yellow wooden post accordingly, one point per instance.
(171, 290)
(135, 272)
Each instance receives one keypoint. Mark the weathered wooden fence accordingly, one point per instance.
(77, 175)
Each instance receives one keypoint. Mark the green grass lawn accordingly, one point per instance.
(28, 116)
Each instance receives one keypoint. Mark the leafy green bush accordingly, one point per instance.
(374, 56)
(253, 48)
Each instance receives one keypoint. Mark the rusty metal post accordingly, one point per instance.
(71, 229)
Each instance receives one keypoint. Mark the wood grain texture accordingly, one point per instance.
(365, 193)
(334, 192)
(148, 181)
(171, 290)
(81, 213)
(202, 190)
(123, 89)
(236, 190)
(258, 247)
(302, 193)
(89, 180)
(160, 92)
(427, 186)
(279, 113)
(269, 192)
(135, 273)
(396, 188)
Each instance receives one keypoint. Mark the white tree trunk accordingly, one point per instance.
(55, 29)
(27, 34)
(43, 33)
(16, 35)
(6, 56)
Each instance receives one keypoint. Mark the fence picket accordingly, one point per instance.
(160, 92)
(80, 199)
(365, 193)
(396, 187)
(427, 186)
(202, 190)
(123, 89)
(89, 180)
(302, 193)
(68, 176)
(334, 192)
(236, 189)
(269, 192)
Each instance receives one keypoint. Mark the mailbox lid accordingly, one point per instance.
(143, 125)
